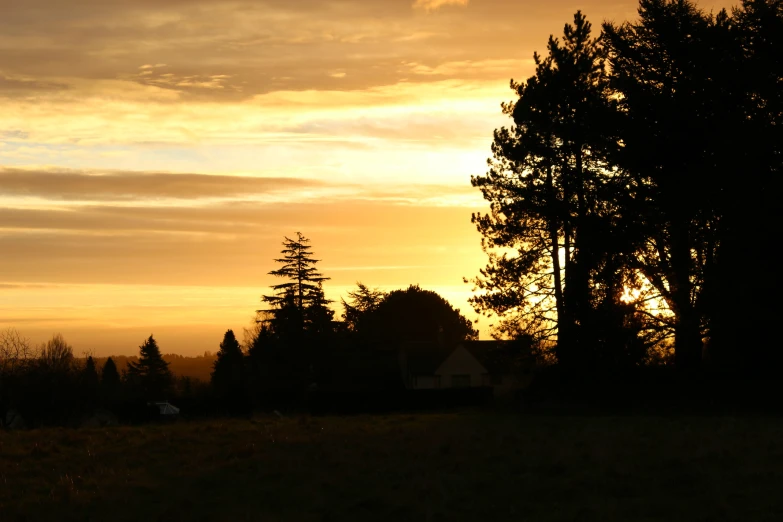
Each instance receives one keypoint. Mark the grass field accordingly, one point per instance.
(458, 466)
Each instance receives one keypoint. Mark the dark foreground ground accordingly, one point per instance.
(473, 466)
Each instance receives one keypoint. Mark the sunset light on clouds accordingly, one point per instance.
(154, 153)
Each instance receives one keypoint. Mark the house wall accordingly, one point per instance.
(425, 382)
(461, 362)
(508, 384)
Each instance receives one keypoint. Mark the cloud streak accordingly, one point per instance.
(431, 5)
(231, 244)
(174, 142)
(65, 185)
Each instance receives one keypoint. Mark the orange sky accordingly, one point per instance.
(153, 153)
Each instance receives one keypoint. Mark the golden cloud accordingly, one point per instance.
(431, 5)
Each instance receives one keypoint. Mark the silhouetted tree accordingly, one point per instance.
(15, 351)
(360, 302)
(110, 382)
(553, 241)
(299, 307)
(416, 315)
(261, 356)
(227, 374)
(299, 271)
(57, 355)
(670, 77)
(90, 382)
(51, 386)
(750, 143)
(16, 358)
(298, 328)
(150, 376)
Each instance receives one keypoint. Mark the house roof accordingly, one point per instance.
(167, 408)
(423, 358)
(363, 369)
(497, 357)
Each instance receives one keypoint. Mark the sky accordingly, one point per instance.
(155, 153)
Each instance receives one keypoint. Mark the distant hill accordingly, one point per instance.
(198, 367)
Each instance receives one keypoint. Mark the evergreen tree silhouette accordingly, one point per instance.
(302, 278)
(90, 382)
(667, 73)
(299, 307)
(360, 302)
(297, 331)
(752, 145)
(150, 376)
(110, 382)
(227, 373)
(547, 188)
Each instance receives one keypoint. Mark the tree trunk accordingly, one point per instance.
(687, 330)
(562, 327)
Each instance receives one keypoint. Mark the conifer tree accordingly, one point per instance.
(361, 301)
(302, 279)
(299, 306)
(227, 373)
(110, 382)
(549, 233)
(669, 78)
(89, 381)
(150, 376)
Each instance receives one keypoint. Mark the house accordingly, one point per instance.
(468, 364)
(508, 364)
(365, 369)
(167, 410)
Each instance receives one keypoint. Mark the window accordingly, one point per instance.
(460, 381)
(491, 379)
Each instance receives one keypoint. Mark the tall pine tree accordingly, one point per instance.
(668, 76)
(150, 376)
(550, 235)
(110, 387)
(227, 372)
(299, 307)
(89, 382)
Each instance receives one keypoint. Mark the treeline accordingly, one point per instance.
(47, 385)
(298, 349)
(634, 197)
(296, 354)
(197, 367)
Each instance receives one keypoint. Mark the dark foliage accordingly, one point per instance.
(150, 377)
(415, 315)
(110, 388)
(627, 177)
(294, 336)
(360, 303)
(227, 375)
(632, 206)
(90, 382)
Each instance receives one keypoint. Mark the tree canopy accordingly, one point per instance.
(617, 222)
(415, 314)
(150, 375)
(299, 306)
(227, 373)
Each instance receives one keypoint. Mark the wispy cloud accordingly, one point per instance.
(81, 185)
(174, 142)
(431, 5)
(231, 243)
